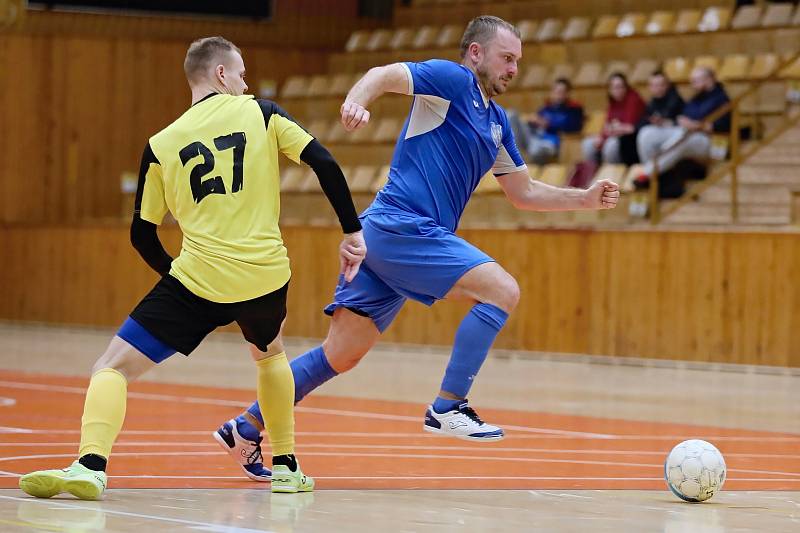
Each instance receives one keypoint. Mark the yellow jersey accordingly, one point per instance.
(216, 170)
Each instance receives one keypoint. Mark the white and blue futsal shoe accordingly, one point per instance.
(462, 422)
(245, 452)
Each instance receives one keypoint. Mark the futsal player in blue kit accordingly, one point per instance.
(453, 135)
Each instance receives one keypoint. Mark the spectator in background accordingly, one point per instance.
(539, 134)
(709, 96)
(617, 142)
(661, 114)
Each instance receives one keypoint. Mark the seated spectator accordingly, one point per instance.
(617, 142)
(539, 134)
(709, 96)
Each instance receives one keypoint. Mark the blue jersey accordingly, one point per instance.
(451, 138)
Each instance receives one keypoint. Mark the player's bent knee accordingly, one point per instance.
(508, 293)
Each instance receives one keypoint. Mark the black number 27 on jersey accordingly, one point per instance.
(202, 188)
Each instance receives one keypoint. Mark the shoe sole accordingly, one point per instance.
(230, 452)
(45, 486)
(285, 486)
(462, 437)
(83, 489)
(41, 486)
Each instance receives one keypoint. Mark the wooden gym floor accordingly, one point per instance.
(585, 447)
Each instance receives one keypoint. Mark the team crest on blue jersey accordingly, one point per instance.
(497, 133)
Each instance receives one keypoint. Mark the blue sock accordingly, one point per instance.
(442, 405)
(310, 370)
(474, 337)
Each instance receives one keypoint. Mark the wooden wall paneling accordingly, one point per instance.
(698, 296)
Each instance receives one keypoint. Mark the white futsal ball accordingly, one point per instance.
(694, 470)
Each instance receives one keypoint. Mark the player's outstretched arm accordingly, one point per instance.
(531, 195)
(377, 81)
(353, 249)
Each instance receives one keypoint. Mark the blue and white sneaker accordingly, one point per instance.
(245, 452)
(462, 422)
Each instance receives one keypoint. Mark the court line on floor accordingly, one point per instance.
(421, 435)
(406, 456)
(208, 526)
(524, 478)
(481, 449)
(301, 409)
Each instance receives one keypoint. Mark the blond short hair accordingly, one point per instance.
(203, 52)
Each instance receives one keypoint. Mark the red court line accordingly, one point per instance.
(369, 444)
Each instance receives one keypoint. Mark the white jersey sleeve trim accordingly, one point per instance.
(410, 79)
(504, 164)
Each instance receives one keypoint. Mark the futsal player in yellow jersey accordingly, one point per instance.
(216, 170)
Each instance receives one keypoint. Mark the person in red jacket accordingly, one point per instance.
(625, 111)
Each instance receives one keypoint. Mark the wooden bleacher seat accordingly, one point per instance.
(340, 84)
(734, 67)
(615, 66)
(715, 18)
(711, 62)
(631, 24)
(791, 71)
(554, 174)
(589, 75)
(402, 38)
(319, 129)
(631, 174)
(450, 36)
(564, 70)
(642, 70)
(357, 41)
(796, 18)
(388, 129)
(535, 77)
(364, 134)
(318, 86)
(763, 65)
(527, 30)
(425, 37)
(549, 30)
(594, 122)
(295, 87)
(660, 22)
(747, 17)
(777, 15)
(570, 151)
(488, 185)
(677, 69)
(294, 178)
(336, 133)
(606, 26)
(613, 172)
(361, 178)
(381, 177)
(577, 28)
(688, 20)
(379, 40)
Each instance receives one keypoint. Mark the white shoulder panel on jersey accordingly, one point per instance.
(427, 114)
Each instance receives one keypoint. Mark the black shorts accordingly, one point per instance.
(181, 319)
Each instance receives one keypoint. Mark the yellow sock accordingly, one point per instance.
(276, 399)
(103, 412)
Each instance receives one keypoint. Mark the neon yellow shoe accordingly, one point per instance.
(284, 480)
(76, 479)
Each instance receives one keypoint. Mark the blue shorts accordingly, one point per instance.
(408, 256)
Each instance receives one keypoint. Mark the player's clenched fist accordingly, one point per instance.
(603, 194)
(354, 115)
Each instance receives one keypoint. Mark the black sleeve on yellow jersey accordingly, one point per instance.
(144, 236)
(328, 172)
(333, 184)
